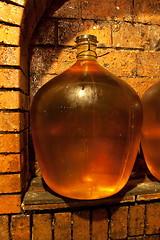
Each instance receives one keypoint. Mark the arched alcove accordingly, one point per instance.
(52, 49)
(32, 13)
(67, 19)
(52, 52)
(18, 21)
(132, 33)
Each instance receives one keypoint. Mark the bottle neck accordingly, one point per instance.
(86, 51)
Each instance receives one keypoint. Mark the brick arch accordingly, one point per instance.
(18, 19)
(138, 213)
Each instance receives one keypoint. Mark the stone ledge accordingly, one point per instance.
(40, 197)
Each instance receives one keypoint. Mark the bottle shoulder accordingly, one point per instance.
(88, 75)
(152, 94)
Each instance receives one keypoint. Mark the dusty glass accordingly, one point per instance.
(86, 126)
(151, 129)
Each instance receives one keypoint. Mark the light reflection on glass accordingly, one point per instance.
(82, 95)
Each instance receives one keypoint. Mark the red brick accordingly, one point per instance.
(7, 33)
(118, 225)
(9, 121)
(148, 64)
(20, 227)
(13, 100)
(62, 226)
(14, 56)
(49, 60)
(13, 78)
(4, 227)
(121, 63)
(117, 10)
(9, 100)
(102, 31)
(10, 163)
(68, 9)
(153, 218)
(136, 220)
(153, 37)
(10, 55)
(13, 143)
(81, 225)
(10, 204)
(135, 35)
(10, 142)
(140, 85)
(147, 11)
(99, 224)
(69, 30)
(20, 2)
(45, 32)
(37, 81)
(11, 13)
(10, 183)
(13, 121)
(42, 229)
(151, 237)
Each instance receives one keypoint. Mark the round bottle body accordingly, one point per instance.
(151, 129)
(86, 126)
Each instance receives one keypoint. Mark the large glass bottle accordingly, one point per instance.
(86, 126)
(151, 129)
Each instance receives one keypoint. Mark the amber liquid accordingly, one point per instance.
(151, 129)
(86, 131)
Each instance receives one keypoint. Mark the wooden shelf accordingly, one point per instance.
(138, 189)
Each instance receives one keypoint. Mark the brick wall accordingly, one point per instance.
(130, 31)
(132, 222)
(18, 18)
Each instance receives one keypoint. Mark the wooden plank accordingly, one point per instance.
(81, 225)
(45, 200)
(40, 197)
(99, 224)
(62, 226)
(148, 197)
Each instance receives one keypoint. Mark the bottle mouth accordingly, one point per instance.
(86, 37)
(86, 46)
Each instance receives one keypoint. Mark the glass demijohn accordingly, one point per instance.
(151, 129)
(86, 126)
